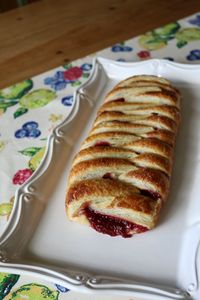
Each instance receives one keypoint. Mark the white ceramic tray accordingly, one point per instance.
(160, 264)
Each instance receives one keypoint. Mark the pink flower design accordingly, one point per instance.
(144, 54)
(73, 73)
(21, 176)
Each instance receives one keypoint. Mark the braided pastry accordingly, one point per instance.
(120, 178)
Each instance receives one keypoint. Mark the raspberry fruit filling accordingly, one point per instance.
(102, 143)
(151, 194)
(108, 176)
(119, 100)
(110, 225)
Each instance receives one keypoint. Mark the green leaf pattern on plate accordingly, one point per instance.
(7, 281)
(31, 151)
(37, 98)
(17, 90)
(19, 112)
(33, 291)
(159, 38)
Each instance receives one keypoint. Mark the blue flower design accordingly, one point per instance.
(194, 55)
(30, 125)
(58, 86)
(59, 75)
(86, 67)
(67, 101)
(48, 80)
(20, 133)
(121, 48)
(29, 130)
(195, 21)
(57, 82)
(127, 49)
(71, 76)
(61, 288)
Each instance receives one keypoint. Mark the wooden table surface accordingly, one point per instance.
(49, 33)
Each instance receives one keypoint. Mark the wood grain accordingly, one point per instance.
(48, 33)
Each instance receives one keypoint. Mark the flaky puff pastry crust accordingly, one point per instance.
(121, 176)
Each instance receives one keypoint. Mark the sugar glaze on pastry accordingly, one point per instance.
(120, 178)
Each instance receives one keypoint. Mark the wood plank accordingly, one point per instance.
(48, 33)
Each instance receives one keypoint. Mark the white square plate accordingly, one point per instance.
(163, 263)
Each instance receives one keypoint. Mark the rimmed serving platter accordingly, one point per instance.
(163, 263)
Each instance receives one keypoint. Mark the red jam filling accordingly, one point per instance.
(119, 100)
(108, 176)
(151, 194)
(110, 225)
(102, 143)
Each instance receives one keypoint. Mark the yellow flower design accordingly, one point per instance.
(2, 145)
(55, 118)
(6, 208)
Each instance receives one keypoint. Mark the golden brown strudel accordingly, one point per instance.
(120, 178)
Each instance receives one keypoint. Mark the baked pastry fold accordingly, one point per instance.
(121, 177)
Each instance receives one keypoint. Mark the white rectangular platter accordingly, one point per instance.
(163, 263)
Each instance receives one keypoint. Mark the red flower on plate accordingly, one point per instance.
(73, 73)
(144, 54)
(21, 176)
